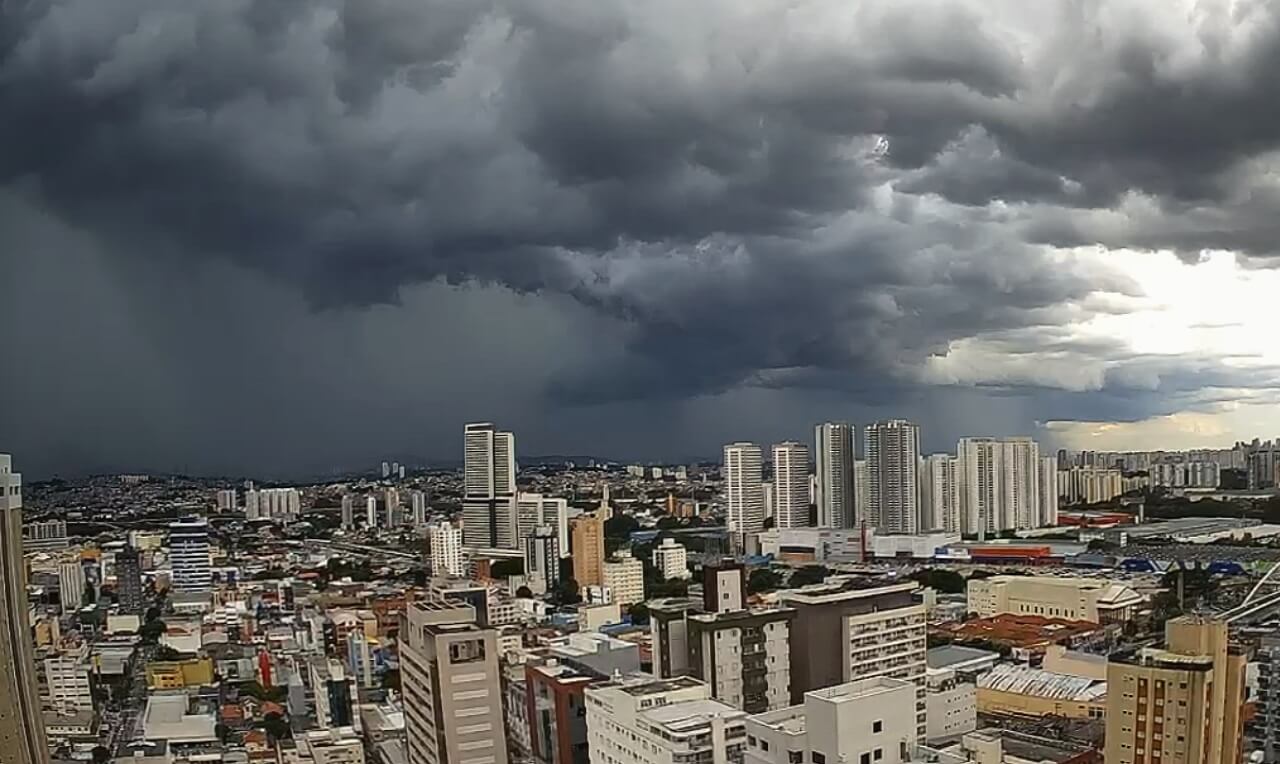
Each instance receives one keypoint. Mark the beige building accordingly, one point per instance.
(21, 724)
(624, 578)
(587, 545)
(1179, 705)
(452, 689)
(1017, 690)
(1078, 599)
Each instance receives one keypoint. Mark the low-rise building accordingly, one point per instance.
(952, 704)
(642, 720)
(671, 560)
(1072, 598)
(744, 655)
(1018, 690)
(624, 578)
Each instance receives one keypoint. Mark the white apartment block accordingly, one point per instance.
(939, 494)
(891, 644)
(893, 494)
(641, 720)
(226, 500)
(671, 560)
(744, 488)
(418, 506)
(861, 493)
(744, 656)
(1048, 491)
(623, 576)
(371, 512)
(864, 722)
(67, 676)
(999, 484)
(791, 485)
(1090, 484)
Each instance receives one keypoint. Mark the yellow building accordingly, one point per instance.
(176, 675)
(587, 543)
(1179, 705)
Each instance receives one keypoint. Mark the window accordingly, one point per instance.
(879, 754)
(795, 757)
(877, 725)
(864, 759)
(764, 745)
(751, 740)
(819, 758)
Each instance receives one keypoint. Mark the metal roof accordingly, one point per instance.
(1008, 677)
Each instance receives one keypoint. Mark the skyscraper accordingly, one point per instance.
(21, 723)
(893, 454)
(348, 511)
(71, 581)
(939, 494)
(189, 555)
(743, 487)
(129, 581)
(542, 558)
(834, 452)
(791, 484)
(445, 540)
(535, 510)
(489, 477)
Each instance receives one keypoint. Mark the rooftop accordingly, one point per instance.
(691, 716)
(949, 656)
(841, 588)
(1024, 680)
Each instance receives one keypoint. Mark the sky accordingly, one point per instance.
(287, 237)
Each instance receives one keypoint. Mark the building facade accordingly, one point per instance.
(587, 547)
(452, 687)
(893, 491)
(489, 515)
(744, 488)
(791, 485)
(865, 722)
(744, 656)
(671, 560)
(1078, 599)
(939, 494)
(189, 556)
(129, 589)
(833, 448)
(445, 540)
(21, 724)
(642, 720)
(624, 578)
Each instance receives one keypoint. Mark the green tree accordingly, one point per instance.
(100, 755)
(276, 727)
(566, 593)
(809, 574)
(667, 522)
(620, 526)
(940, 580)
(639, 613)
(763, 580)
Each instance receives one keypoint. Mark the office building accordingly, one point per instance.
(348, 511)
(189, 556)
(893, 455)
(744, 656)
(1178, 705)
(791, 485)
(1048, 491)
(1095, 600)
(21, 723)
(846, 630)
(744, 488)
(452, 688)
(587, 546)
(371, 512)
(445, 540)
(46, 536)
(671, 560)
(489, 515)
(535, 511)
(623, 576)
(864, 722)
(129, 591)
(939, 494)
(642, 720)
(542, 559)
(71, 585)
(833, 444)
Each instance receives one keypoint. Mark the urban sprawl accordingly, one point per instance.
(846, 600)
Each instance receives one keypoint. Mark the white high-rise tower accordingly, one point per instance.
(835, 494)
(939, 494)
(489, 502)
(791, 484)
(999, 484)
(893, 454)
(744, 487)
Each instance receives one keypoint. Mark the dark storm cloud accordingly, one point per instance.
(763, 194)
